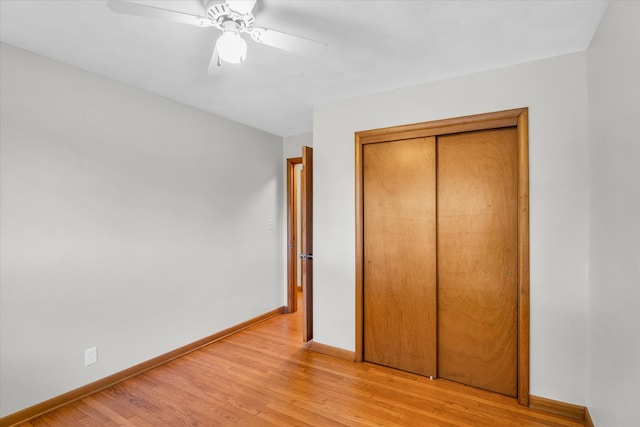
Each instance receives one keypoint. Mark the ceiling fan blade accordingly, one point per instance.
(241, 6)
(129, 8)
(288, 42)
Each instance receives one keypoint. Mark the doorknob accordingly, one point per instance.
(306, 256)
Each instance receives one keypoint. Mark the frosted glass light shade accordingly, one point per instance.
(231, 47)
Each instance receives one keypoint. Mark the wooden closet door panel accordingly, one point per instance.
(399, 254)
(477, 259)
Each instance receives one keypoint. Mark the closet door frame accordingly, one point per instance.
(509, 118)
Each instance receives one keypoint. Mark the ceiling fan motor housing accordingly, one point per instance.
(220, 12)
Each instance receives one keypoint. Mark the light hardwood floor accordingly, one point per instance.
(265, 376)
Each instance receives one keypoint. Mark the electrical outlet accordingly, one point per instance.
(90, 356)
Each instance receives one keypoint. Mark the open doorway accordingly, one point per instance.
(294, 223)
(300, 238)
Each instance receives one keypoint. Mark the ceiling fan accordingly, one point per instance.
(232, 17)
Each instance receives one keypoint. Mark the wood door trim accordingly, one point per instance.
(523, 257)
(292, 256)
(516, 117)
(476, 122)
(359, 179)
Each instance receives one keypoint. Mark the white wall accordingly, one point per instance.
(128, 222)
(555, 92)
(614, 147)
(293, 145)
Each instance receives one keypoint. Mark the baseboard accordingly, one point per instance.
(588, 422)
(569, 410)
(331, 351)
(96, 386)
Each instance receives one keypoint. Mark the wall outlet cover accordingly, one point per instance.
(90, 356)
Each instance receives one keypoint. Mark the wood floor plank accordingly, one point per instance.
(106, 408)
(264, 376)
(38, 422)
(228, 394)
(100, 418)
(73, 416)
(270, 416)
(179, 408)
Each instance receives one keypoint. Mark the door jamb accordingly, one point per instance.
(509, 118)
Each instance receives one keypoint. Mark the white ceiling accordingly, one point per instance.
(373, 46)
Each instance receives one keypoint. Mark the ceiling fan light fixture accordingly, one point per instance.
(231, 47)
(232, 17)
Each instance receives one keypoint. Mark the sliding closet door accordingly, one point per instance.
(477, 259)
(399, 254)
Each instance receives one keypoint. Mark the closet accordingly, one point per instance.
(442, 250)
